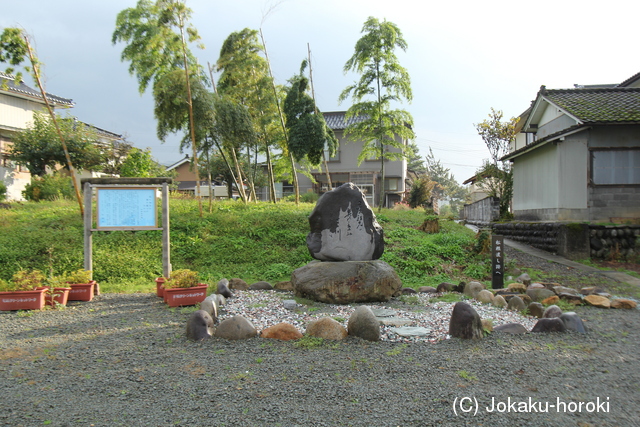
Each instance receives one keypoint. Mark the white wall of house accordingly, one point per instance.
(573, 158)
(535, 180)
(17, 112)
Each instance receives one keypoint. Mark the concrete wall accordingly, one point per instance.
(482, 212)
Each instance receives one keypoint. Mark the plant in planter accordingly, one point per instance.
(82, 287)
(23, 292)
(184, 288)
(57, 293)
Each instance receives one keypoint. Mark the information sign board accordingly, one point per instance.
(132, 208)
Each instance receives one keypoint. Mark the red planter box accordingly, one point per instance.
(61, 296)
(81, 291)
(160, 286)
(176, 297)
(22, 300)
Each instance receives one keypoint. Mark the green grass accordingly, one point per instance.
(255, 242)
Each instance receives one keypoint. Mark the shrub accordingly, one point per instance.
(184, 278)
(3, 191)
(49, 187)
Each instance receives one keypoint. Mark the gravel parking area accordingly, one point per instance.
(123, 360)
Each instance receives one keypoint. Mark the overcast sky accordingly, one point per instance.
(464, 57)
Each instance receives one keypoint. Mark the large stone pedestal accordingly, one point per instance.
(346, 281)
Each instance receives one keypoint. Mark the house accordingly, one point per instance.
(343, 167)
(18, 102)
(186, 180)
(577, 157)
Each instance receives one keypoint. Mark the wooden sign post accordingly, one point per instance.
(126, 204)
(497, 262)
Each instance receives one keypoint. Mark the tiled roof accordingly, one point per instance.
(630, 80)
(598, 106)
(336, 120)
(21, 88)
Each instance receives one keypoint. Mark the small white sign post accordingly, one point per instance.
(126, 204)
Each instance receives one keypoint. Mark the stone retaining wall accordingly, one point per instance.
(608, 241)
(575, 240)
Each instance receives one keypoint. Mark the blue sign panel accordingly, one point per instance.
(127, 208)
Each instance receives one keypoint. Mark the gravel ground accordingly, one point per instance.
(123, 360)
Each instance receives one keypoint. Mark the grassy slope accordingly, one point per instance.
(255, 242)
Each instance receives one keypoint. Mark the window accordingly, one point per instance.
(615, 167)
(391, 184)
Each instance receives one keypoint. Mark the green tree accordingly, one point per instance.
(139, 163)
(497, 175)
(415, 163)
(245, 79)
(158, 35)
(38, 148)
(308, 131)
(446, 184)
(383, 81)
(115, 152)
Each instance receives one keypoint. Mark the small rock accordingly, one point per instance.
(327, 328)
(237, 284)
(383, 312)
(261, 286)
(282, 331)
(498, 301)
(573, 322)
(414, 331)
(283, 286)
(210, 305)
(536, 286)
(524, 278)
(199, 326)
(511, 328)
(598, 301)
(220, 299)
(516, 304)
(536, 309)
(427, 290)
(364, 324)
(487, 325)
(549, 325)
(394, 321)
(407, 291)
(465, 322)
(445, 287)
(564, 290)
(539, 294)
(236, 328)
(223, 289)
(517, 287)
(485, 296)
(623, 303)
(290, 304)
(472, 288)
(551, 312)
(573, 298)
(590, 290)
(551, 300)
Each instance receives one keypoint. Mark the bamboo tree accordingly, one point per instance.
(382, 76)
(155, 49)
(313, 96)
(14, 46)
(244, 79)
(282, 123)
